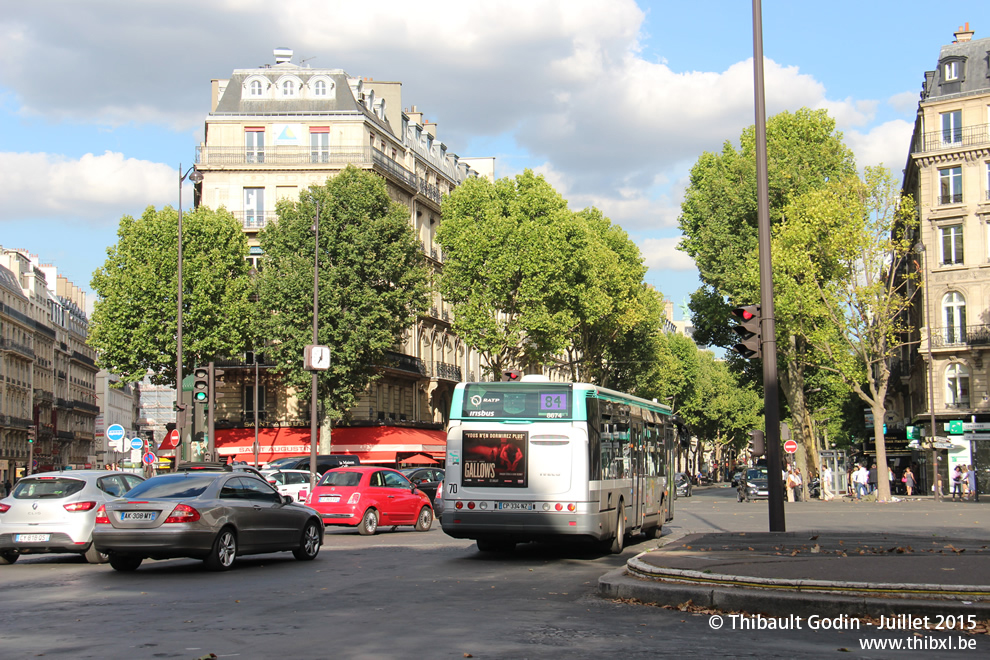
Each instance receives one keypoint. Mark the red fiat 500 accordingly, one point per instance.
(370, 497)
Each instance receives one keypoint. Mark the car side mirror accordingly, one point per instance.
(287, 499)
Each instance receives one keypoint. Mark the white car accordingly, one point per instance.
(289, 482)
(56, 512)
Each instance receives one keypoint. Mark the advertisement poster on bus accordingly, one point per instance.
(494, 458)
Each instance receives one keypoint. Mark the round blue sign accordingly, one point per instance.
(137, 443)
(115, 432)
(149, 458)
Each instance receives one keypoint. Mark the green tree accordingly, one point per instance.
(134, 318)
(506, 258)
(844, 249)
(719, 221)
(372, 284)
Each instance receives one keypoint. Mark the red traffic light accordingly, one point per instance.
(511, 375)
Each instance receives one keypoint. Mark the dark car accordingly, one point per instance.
(758, 482)
(426, 479)
(324, 462)
(204, 514)
(682, 485)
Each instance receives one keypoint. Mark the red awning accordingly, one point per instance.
(372, 444)
(419, 459)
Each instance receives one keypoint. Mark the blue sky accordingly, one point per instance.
(613, 101)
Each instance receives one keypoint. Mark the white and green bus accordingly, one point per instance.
(541, 461)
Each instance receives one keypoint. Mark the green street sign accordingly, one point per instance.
(955, 427)
(913, 432)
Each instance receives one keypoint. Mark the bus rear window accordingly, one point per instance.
(517, 401)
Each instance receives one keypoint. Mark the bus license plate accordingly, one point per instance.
(515, 506)
(137, 515)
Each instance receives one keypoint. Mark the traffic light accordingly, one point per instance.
(32, 433)
(511, 375)
(214, 374)
(180, 415)
(757, 442)
(201, 385)
(747, 326)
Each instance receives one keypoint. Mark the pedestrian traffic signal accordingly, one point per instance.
(747, 326)
(757, 442)
(511, 375)
(201, 385)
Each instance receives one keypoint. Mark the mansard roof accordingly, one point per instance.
(973, 58)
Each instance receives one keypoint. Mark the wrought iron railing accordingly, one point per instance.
(402, 362)
(970, 136)
(973, 335)
(954, 198)
(13, 346)
(254, 220)
(445, 371)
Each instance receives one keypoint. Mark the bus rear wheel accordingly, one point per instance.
(619, 542)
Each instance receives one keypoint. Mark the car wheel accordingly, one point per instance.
(224, 550)
(309, 547)
(94, 556)
(369, 523)
(425, 520)
(125, 563)
(9, 557)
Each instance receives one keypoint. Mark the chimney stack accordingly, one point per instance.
(964, 34)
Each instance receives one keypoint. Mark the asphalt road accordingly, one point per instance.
(406, 594)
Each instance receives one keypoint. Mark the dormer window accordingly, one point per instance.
(255, 88)
(288, 88)
(320, 88)
(951, 71)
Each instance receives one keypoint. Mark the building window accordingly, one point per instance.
(288, 88)
(255, 88)
(988, 182)
(954, 314)
(951, 71)
(952, 127)
(952, 245)
(249, 403)
(950, 185)
(319, 144)
(254, 145)
(957, 386)
(254, 208)
(320, 88)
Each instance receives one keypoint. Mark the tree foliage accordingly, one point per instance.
(843, 250)
(134, 320)
(372, 284)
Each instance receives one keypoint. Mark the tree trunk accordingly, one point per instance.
(883, 479)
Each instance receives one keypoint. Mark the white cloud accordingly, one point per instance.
(662, 254)
(97, 189)
(886, 144)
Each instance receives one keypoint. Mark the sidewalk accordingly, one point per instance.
(842, 572)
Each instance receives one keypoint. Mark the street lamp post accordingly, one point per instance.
(316, 307)
(180, 407)
(920, 249)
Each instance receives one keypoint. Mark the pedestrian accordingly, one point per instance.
(742, 488)
(798, 485)
(908, 480)
(957, 484)
(873, 478)
(965, 482)
(890, 478)
(862, 480)
(971, 478)
(789, 483)
(826, 484)
(7, 488)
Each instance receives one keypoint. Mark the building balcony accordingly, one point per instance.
(953, 198)
(14, 347)
(254, 220)
(444, 371)
(407, 363)
(960, 138)
(84, 359)
(973, 335)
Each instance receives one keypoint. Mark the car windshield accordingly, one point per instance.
(283, 462)
(47, 488)
(342, 478)
(172, 486)
(756, 473)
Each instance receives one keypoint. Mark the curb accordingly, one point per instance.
(977, 593)
(776, 602)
